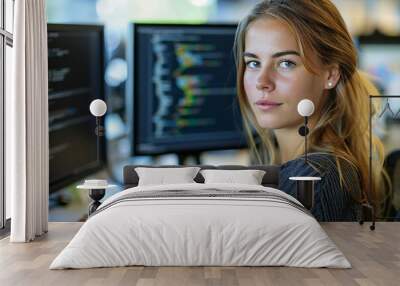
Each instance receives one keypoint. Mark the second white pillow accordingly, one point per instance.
(163, 176)
(248, 177)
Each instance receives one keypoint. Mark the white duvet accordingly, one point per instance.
(200, 231)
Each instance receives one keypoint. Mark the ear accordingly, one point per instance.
(332, 76)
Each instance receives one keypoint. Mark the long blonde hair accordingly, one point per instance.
(343, 126)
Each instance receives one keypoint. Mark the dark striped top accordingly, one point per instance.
(332, 202)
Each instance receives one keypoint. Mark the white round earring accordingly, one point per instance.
(330, 84)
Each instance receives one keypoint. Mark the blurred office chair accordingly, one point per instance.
(392, 203)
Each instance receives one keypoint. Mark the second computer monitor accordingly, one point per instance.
(182, 91)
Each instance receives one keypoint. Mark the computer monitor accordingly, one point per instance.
(379, 56)
(182, 89)
(75, 62)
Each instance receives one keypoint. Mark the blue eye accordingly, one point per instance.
(252, 64)
(286, 64)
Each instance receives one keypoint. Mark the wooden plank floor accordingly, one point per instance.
(375, 256)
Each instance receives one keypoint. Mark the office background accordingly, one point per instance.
(363, 17)
(375, 25)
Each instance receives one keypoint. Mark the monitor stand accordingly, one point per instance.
(183, 157)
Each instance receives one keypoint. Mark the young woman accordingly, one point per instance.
(289, 50)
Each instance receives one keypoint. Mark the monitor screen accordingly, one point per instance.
(182, 89)
(379, 56)
(75, 61)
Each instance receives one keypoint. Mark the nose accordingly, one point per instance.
(264, 81)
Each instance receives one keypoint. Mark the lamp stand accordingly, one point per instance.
(303, 131)
(99, 132)
(305, 139)
(305, 193)
(96, 195)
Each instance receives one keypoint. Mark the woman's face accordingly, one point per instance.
(275, 78)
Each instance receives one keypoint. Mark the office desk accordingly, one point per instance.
(374, 255)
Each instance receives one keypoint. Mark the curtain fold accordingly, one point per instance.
(27, 155)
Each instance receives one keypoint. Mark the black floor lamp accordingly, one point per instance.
(98, 108)
(305, 108)
(305, 185)
(96, 187)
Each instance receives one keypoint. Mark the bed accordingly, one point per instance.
(201, 224)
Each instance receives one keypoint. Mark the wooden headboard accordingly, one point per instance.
(270, 179)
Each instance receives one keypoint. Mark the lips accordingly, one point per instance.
(265, 104)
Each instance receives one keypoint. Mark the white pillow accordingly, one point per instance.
(163, 176)
(248, 177)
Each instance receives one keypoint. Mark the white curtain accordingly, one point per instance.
(27, 152)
